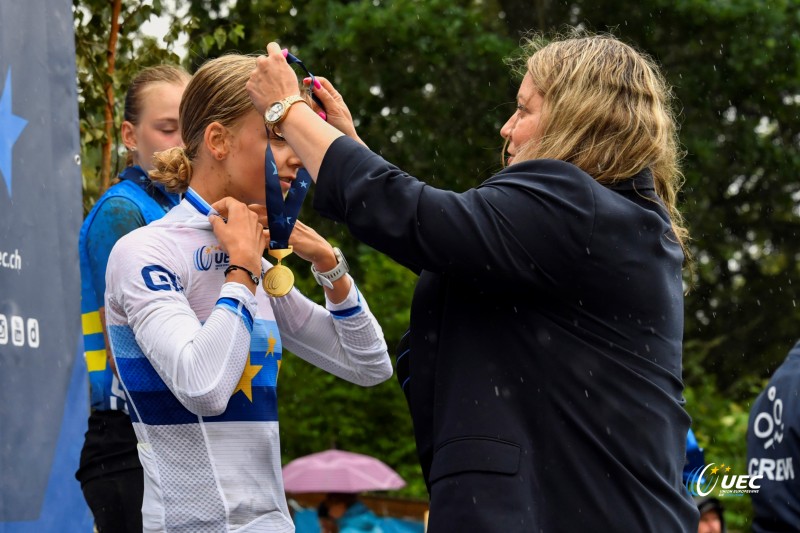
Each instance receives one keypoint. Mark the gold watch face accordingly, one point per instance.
(275, 112)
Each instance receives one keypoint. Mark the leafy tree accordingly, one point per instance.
(110, 50)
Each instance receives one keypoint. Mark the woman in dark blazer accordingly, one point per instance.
(543, 363)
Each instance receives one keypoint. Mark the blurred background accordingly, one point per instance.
(428, 88)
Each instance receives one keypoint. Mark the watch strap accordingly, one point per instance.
(286, 103)
(326, 279)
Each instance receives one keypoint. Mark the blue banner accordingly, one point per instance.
(43, 387)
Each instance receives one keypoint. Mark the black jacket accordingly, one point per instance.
(773, 449)
(544, 370)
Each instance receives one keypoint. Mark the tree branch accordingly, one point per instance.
(111, 55)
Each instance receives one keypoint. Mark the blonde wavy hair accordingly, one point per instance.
(216, 93)
(608, 110)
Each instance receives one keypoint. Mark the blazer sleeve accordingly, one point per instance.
(529, 223)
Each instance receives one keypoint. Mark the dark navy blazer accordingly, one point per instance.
(543, 370)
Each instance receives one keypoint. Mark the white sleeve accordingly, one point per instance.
(345, 339)
(200, 363)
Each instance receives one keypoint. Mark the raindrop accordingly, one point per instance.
(586, 392)
(77, 159)
(496, 391)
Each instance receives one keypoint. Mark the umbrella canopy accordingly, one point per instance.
(339, 471)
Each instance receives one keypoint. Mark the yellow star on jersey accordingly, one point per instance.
(714, 470)
(246, 381)
(271, 341)
(728, 469)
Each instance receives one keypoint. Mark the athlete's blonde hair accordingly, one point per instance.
(608, 110)
(216, 93)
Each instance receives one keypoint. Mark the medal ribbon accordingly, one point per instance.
(282, 213)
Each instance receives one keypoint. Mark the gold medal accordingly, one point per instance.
(279, 279)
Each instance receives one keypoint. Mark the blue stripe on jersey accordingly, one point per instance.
(239, 308)
(344, 313)
(151, 400)
(159, 408)
(263, 408)
(154, 404)
(93, 342)
(197, 202)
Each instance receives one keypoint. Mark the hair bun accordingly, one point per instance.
(173, 169)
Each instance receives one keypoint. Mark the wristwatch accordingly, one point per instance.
(278, 110)
(326, 279)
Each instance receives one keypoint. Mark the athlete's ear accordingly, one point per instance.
(216, 140)
(129, 135)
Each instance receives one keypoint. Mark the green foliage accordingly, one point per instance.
(319, 411)
(720, 425)
(133, 52)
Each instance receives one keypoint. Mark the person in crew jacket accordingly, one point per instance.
(773, 449)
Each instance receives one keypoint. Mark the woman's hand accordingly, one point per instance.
(243, 237)
(338, 114)
(272, 80)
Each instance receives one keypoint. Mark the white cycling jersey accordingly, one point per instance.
(199, 361)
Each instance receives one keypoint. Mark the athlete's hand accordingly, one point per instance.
(243, 237)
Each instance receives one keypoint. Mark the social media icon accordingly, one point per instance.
(17, 331)
(33, 333)
(3, 330)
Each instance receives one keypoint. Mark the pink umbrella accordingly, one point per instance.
(339, 471)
